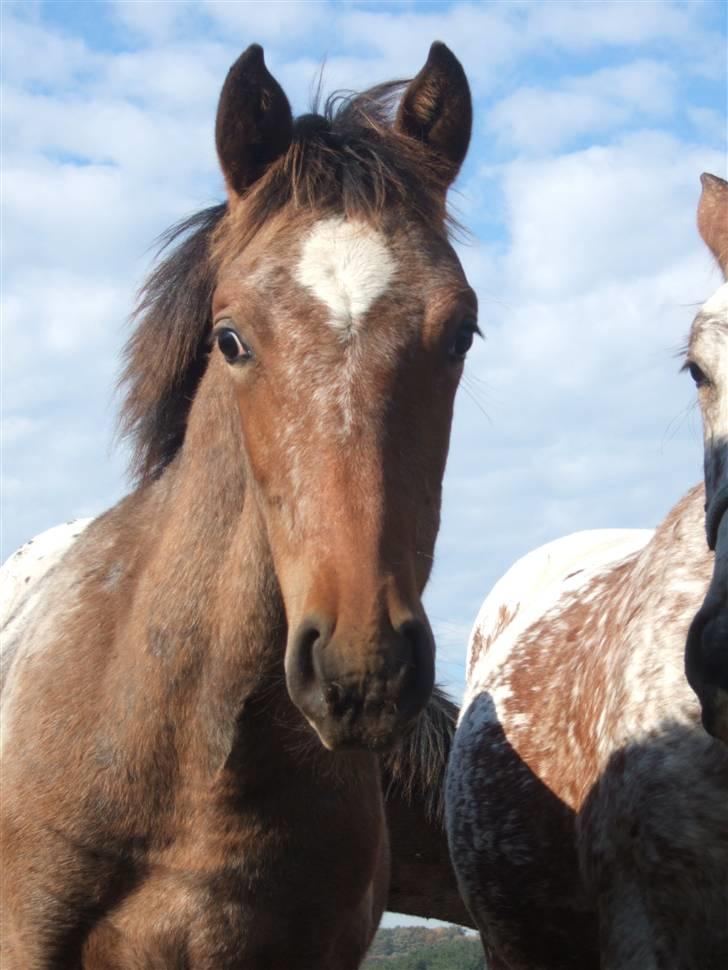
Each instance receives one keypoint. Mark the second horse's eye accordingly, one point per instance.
(231, 346)
(697, 375)
(463, 339)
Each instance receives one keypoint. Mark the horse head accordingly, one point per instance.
(706, 657)
(341, 320)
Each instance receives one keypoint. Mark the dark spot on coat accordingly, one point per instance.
(159, 643)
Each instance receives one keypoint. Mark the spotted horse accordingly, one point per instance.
(586, 806)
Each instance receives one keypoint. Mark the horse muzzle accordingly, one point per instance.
(706, 666)
(360, 695)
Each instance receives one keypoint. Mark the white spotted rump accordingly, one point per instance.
(347, 265)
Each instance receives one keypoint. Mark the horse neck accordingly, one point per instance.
(207, 613)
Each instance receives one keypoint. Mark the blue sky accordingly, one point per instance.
(593, 122)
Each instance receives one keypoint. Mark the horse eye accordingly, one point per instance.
(463, 339)
(697, 375)
(232, 347)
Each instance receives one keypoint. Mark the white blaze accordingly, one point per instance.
(347, 266)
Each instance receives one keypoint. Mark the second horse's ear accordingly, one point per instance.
(713, 218)
(254, 124)
(436, 108)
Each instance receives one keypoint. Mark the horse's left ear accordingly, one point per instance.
(713, 217)
(436, 108)
(254, 124)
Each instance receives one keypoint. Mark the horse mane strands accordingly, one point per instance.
(415, 769)
(166, 355)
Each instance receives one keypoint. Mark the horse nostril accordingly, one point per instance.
(418, 638)
(419, 665)
(334, 694)
(300, 669)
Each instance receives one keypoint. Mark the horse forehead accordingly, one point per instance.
(346, 265)
(717, 305)
(710, 326)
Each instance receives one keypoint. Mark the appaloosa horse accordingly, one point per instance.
(587, 809)
(706, 656)
(195, 692)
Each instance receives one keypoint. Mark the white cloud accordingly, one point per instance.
(709, 124)
(155, 20)
(484, 37)
(538, 120)
(33, 54)
(116, 132)
(583, 25)
(281, 22)
(602, 213)
(179, 78)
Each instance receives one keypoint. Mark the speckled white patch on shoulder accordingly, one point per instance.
(347, 265)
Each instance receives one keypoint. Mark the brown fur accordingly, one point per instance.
(165, 803)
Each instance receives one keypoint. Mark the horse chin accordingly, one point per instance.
(339, 735)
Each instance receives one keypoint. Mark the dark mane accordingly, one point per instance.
(349, 159)
(165, 357)
(415, 769)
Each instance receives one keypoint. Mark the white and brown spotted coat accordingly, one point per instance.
(587, 809)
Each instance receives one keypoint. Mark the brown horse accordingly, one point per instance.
(706, 655)
(196, 691)
(587, 809)
(422, 882)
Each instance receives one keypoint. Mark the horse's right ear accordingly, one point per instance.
(436, 108)
(254, 124)
(713, 218)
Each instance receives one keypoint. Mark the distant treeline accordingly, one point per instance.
(420, 948)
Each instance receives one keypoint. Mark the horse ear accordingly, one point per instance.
(436, 108)
(713, 217)
(254, 124)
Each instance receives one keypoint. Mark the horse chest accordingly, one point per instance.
(239, 887)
